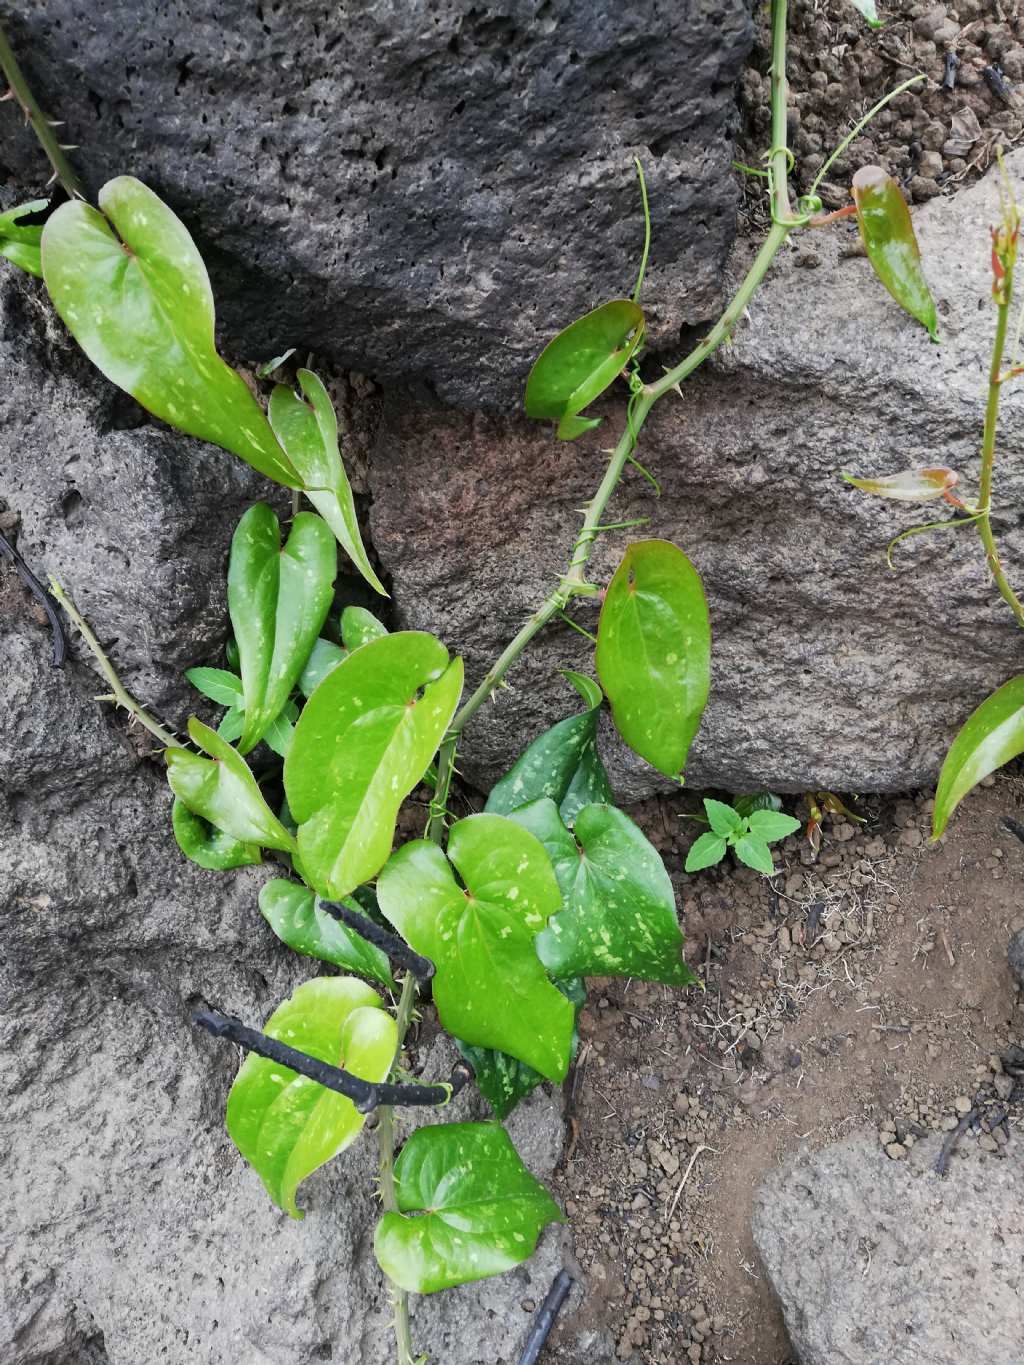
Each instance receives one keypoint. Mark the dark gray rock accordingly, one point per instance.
(424, 191)
(879, 1260)
(829, 671)
(1016, 956)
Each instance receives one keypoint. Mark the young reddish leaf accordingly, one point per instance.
(580, 363)
(889, 240)
(990, 737)
(910, 485)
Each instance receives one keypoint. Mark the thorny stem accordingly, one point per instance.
(573, 583)
(118, 692)
(41, 125)
(386, 1148)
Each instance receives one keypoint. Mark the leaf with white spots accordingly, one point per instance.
(477, 1211)
(277, 599)
(490, 988)
(620, 910)
(359, 627)
(297, 918)
(323, 658)
(307, 428)
(287, 1126)
(141, 308)
(207, 846)
(363, 741)
(654, 652)
(562, 763)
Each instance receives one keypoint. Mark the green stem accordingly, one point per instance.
(119, 694)
(573, 582)
(386, 1147)
(41, 125)
(988, 451)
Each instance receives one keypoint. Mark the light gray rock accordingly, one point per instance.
(424, 191)
(829, 671)
(878, 1260)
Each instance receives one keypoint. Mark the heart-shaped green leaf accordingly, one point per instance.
(562, 763)
(620, 910)
(490, 988)
(364, 739)
(324, 657)
(359, 627)
(891, 244)
(654, 652)
(287, 1126)
(223, 791)
(206, 845)
(478, 1210)
(296, 917)
(142, 310)
(503, 1080)
(20, 243)
(910, 485)
(278, 599)
(308, 431)
(580, 363)
(990, 737)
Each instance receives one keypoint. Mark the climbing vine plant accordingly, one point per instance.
(505, 913)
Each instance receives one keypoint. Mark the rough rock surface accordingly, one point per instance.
(132, 1230)
(424, 191)
(828, 670)
(874, 1259)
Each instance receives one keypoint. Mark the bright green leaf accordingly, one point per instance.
(308, 430)
(755, 853)
(910, 485)
(705, 852)
(867, 8)
(287, 1126)
(232, 723)
(620, 910)
(297, 918)
(279, 735)
(206, 845)
(771, 825)
(364, 739)
(223, 791)
(278, 599)
(990, 737)
(359, 627)
(324, 657)
(478, 1210)
(20, 242)
(580, 363)
(218, 684)
(654, 652)
(481, 940)
(562, 763)
(891, 245)
(722, 818)
(142, 310)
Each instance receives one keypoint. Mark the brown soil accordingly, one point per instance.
(869, 988)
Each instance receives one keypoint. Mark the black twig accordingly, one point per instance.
(949, 1146)
(365, 1095)
(1014, 826)
(60, 640)
(390, 944)
(545, 1319)
(997, 83)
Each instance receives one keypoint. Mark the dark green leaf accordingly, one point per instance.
(287, 1126)
(755, 853)
(206, 845)
(482, 939)
(580, 363)
(990, 737)
(705, 852)
(308, 430)
(296, 917)
(20, 244)
(364, 739)
(478, 1209)
(722, 818)
(218, 684)
(744, 805)
(620, 910)
(654, 652)
(223, 791)
(143, 314)
(562, 763)
(771, 825)
(889, 239)
(359, 627)
(278, 600)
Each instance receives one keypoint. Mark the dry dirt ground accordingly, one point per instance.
(868, 987)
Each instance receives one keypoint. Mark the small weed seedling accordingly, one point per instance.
(747, 834)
